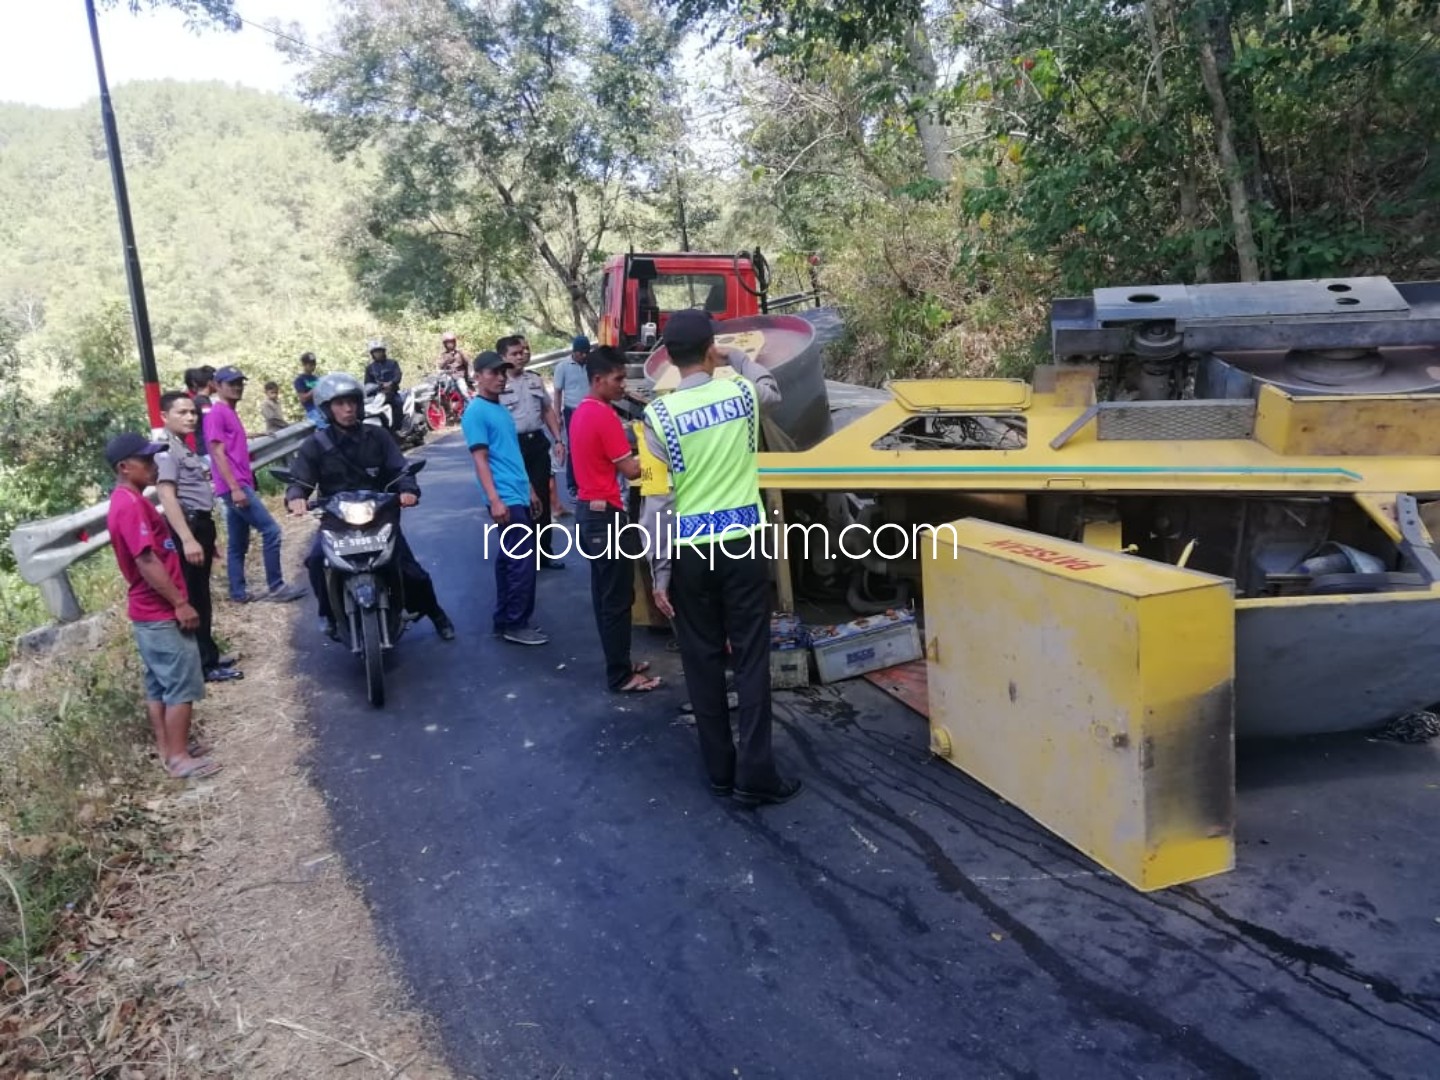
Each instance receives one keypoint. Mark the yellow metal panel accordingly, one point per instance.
(1090, 689)
(1105, 535)
(934, 395)
(848, 461)
(1365, 425)
(654, 476)
(1381, 510)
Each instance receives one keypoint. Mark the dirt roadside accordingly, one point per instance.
(244, 951)
(278, 953)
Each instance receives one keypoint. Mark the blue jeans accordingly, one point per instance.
(239, 521)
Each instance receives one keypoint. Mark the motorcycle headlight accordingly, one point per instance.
(358, 513)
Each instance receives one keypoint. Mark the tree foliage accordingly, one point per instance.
(237, 215)
(509, 138)
(1104, 153)
(198, 13)
(50, 458)
(1092, 142)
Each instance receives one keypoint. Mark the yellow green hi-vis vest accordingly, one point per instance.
(711, 434)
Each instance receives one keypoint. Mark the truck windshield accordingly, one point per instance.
(675, 292)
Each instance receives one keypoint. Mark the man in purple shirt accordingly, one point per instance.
(235, 485)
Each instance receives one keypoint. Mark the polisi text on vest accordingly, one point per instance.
(709, 415)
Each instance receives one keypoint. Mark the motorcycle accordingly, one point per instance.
(415, 406)
(358, 535)
(449, 402)
(409, 428)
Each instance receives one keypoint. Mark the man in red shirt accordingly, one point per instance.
(599, 449)
(161, 616)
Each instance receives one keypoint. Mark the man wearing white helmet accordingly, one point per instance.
(384, 373)
(353, 456)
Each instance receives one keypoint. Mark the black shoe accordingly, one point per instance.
(223, 674)
(782, 792)
(732, 702)
(551, 564)
(443, 626)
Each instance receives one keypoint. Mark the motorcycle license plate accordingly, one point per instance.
(354, 545)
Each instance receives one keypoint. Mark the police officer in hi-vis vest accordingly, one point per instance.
(707, 432)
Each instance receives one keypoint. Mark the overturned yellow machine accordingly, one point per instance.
(1205, 519)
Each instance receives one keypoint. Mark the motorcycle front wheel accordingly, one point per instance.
(435, 415)
(374, 659)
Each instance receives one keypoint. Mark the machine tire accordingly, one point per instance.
(374, 657)
(435, 415)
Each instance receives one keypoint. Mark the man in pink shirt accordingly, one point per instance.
(601, 453)
(161, 616)
(234, 481)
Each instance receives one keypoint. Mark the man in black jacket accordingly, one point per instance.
(384, 372)
(353, 456)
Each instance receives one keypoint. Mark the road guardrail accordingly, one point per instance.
(46, 550)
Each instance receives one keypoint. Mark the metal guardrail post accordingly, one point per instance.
(60, 599)
(45, 550)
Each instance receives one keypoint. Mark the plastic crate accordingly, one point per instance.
(869, 644)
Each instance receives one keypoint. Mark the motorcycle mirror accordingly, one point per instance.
(285, 476)
(413, 467)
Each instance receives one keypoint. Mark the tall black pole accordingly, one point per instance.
(133, 278)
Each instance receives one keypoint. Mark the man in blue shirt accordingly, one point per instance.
(572, 386)
(305, 389)
(489, 431)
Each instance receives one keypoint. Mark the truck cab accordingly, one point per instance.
(640, 290)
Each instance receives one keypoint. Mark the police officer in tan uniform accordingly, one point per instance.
(534, 412)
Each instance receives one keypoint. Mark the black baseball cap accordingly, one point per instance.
(130, 445)
(689, 328)
(492, 359)
(229, 374)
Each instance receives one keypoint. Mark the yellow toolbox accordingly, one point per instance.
(1092, 690)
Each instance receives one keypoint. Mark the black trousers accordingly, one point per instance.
(612, 586)
(419, 589)
(729, 601)
(569, 414)
(197, 585)
(535, 452)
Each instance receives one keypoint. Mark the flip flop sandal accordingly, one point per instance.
(198, 749)
(639, 685)
(197, 770)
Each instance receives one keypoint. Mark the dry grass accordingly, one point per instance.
(223, 939)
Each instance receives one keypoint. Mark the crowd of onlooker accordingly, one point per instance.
(709, 578)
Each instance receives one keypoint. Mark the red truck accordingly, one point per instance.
(639, 290)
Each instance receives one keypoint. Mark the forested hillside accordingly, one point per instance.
(238, 216)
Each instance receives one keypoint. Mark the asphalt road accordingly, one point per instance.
(568, 900)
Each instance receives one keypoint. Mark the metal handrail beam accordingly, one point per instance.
(46, 550)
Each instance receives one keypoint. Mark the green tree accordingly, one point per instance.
(509, 138)
(198, 13)
(1231, 138)
(894, 37)
(50, 451)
